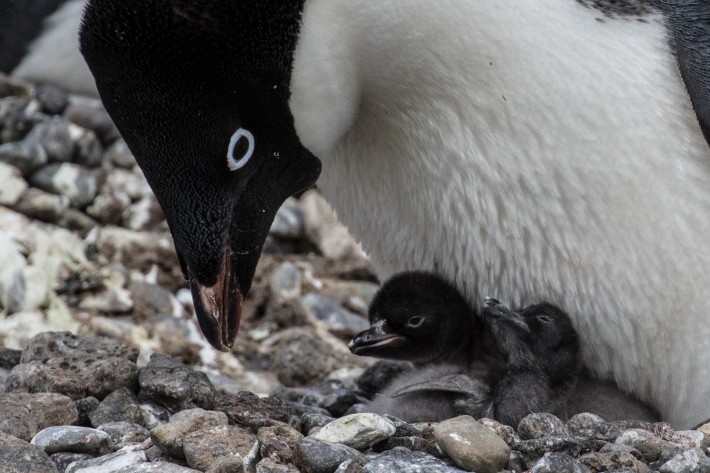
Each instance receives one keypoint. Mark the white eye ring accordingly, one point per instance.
(235, 164)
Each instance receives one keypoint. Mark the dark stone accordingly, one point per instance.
(76, 182)
(120, 405)
(90, 114)
(41, 205)
(575, 446)
(53, 99)
(18, 456)
(309, 421)
(247, 409)
(9, 358)
(315, 456)
(17, 117)
(169, 382)
(64, 459)
(69, 438)
(592, 426)
(331, 395)
(401, 459)
(24, 155)
(54, 137)
(416, 444)
(278, 442)
(23, 415)
(203, 447)
(89, 151)
(85, 407)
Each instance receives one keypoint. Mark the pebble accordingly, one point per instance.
(471, 445)
(247, 409)
(645, 442)
(358, 431)
(690, 461)
(169, 437)
(318, 456)
(591, 425)
(124, 433)
(63, 459)
(24, 155)
(54, 137)
(538, 425)
(23, 290)
(79, 184)
(267, 465)
(68, 438)
(119, 406)
(13, 185)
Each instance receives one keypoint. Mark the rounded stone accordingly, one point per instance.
(472, 445)
(358, 431)
(69, 438)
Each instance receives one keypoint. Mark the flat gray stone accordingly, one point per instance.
(24, 415)
(318, 456)
(123, 461)
(175, 385)
(472, 445)
(68, 438)
(358, 431)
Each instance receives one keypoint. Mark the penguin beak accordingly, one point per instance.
(219, 307)
(499, 312)
(374, 340)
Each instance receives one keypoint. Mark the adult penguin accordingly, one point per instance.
(533, 149)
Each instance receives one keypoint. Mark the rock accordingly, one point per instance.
(123, 461)
(68, 438)
(325, 312)
(690, 461)
(120, 405)
(299, 360)
(154, 414)
(85, 407)
(89, 113)
(315, 456)
(63, 459)
(13, 185)
(17, 329)
(129, 183)
(52, 99)
(18, 456)
(77, 183)
(89, 151)
(169, 437)
(401, 459)
(538, 425)
(175, 385)
(108, 206)
(358, 431)
(145, 214)
(150, 299)
(267, 465)
(23, 415)
(331, 395)
(41, 205)
(124, 433)
(75, 366)
(591, 425)
(115, 300)
(506, 432)
(416, 444)
(606, 461)
(310, 421)
(119, 155)
(9, 358)
(285, 282)
(159, 467)
(228, 464)
(645, 442)
(471, 445)
(54, 137)
(277, 442)
(23, 290)
(17, 117)
(558, 463)
(205, 446)
(24, 155)
(289, 220)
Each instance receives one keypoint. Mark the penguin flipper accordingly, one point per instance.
(454, 383)
(688, 22)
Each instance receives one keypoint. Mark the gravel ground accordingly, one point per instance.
(103, 367)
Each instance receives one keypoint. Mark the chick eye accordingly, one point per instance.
(241, 149)
(415, 322)
(544, 319)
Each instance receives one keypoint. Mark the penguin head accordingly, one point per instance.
(541, 333)
(199, 91)
(416, 316)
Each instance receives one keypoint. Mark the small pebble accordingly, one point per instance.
(471, 445)
(358, 431)
(317, 456)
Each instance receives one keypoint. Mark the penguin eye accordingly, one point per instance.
(241, 149)
(415, 322)
(544, 319)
